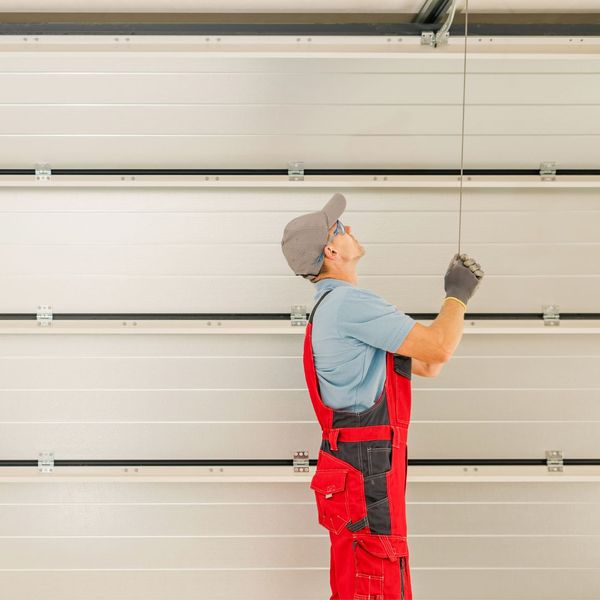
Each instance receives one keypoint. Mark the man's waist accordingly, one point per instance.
(397, 433)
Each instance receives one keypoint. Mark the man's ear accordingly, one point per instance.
(330, 252)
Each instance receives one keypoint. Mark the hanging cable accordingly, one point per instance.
(462, 136)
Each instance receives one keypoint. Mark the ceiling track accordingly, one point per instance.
(585, 28)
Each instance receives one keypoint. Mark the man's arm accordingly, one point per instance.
(425, 369)
(437, 342)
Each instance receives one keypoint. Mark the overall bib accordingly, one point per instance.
(360, 485)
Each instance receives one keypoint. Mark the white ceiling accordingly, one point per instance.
(282, 6)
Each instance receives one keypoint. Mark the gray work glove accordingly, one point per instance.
(462, 277)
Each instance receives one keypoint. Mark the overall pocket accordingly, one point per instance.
(331, 494)
(379, 459)
(380, 566)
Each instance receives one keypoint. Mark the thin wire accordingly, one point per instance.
(462, 143)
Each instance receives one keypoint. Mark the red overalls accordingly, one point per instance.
(360, 485)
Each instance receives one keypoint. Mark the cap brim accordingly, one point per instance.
(334, 208)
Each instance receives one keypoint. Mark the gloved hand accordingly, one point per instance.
(462, 277)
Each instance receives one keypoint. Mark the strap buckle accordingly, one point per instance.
(333, 438)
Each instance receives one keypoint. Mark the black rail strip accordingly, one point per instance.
(307, 172)
(416, 462)
(268, 316)
(304, 29)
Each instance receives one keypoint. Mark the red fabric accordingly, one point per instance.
(369, 567)
(363, 565)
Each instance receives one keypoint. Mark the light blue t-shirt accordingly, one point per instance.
(352, 329)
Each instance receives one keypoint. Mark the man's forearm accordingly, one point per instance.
(450, 325)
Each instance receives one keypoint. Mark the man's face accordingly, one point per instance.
(346, 244)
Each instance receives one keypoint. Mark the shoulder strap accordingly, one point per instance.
(312, 313)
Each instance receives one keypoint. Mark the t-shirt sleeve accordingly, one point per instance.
(371, 319)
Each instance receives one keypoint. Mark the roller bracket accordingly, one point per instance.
(296, 171)
(44, 315)
(298, 315)
(551, 315)
(46, 462)
(548, 171)
(554, 460)
(43, 172)
(300, 460)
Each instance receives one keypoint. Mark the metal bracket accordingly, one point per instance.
(44, 315)
(551, 315)
(437, 38)
(554, 460)
(296, 171)
(548, 171)
(46, 462)
(298, 315)
(431, 38)
(301, 461)
(43, 172)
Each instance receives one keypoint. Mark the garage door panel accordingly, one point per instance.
(256, 227)
(229, 405)
(277, 152)
(178, 553)
(513, 440)
(280, 372)
(162, 521)
(505, 584)
(112, 441)
(241, 120)
(204, 553)
(504, 404)
(277, 295)
(84, 492)
(293, 406)
(285, 201)
(236, 260)
(168, 390)
(229, 88)
(435, 519)
(300, 120)
(198, 342)
(154, 339)
(299, 88)
(298, 584)
(191, 59)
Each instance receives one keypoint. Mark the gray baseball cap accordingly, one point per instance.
(305, 236)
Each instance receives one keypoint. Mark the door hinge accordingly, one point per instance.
(296, 171)
(43, 172)
(298, 314)
(554, 460)
(548, 171)
(46, 462)
(551, 314)
(300, 461)
(44, 315)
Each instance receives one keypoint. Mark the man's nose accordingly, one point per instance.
(348, 228)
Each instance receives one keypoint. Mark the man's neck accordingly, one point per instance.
(351, 278)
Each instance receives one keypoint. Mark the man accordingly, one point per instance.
(359, 354)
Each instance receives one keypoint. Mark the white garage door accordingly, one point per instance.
(169, 386)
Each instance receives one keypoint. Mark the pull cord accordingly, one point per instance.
(462, 138)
